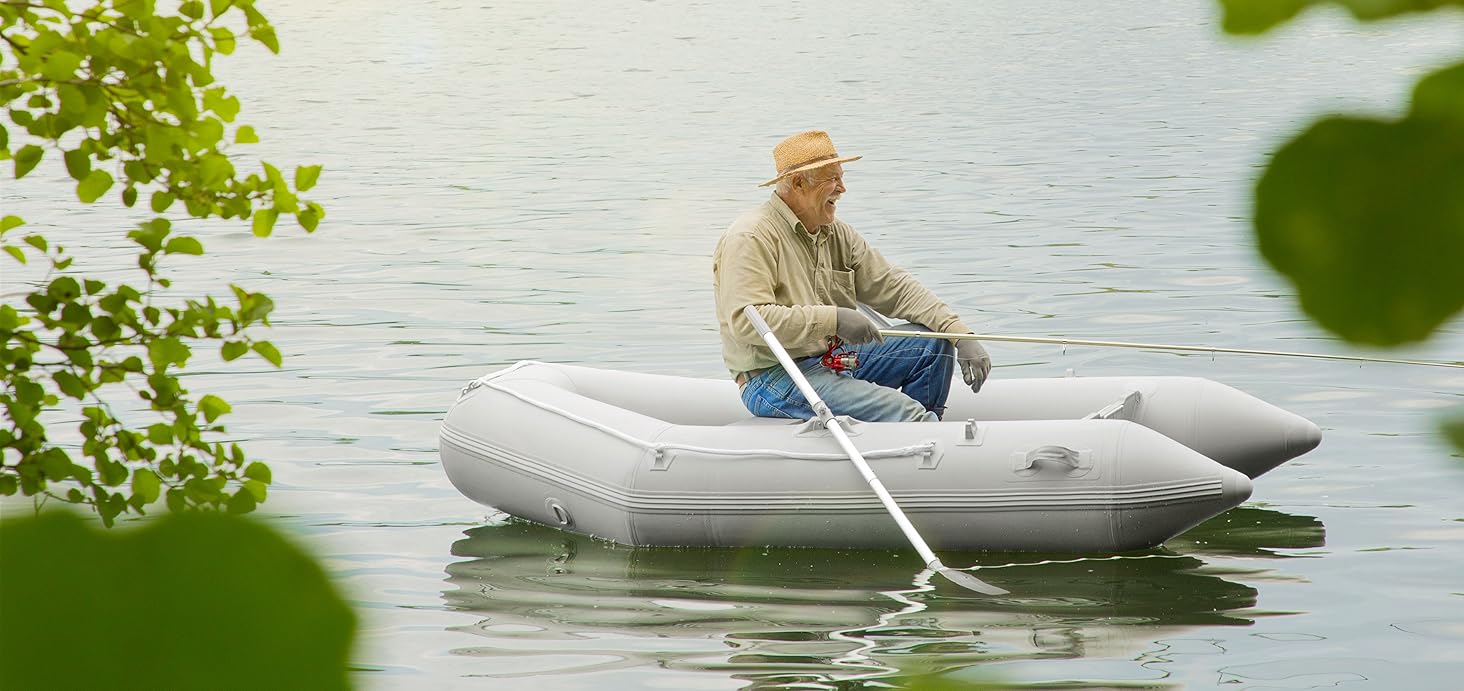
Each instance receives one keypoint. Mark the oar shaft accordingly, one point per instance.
(926, 556)
(832, 424)
(1157, 346)
(835, 428)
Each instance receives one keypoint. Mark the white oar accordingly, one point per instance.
(831, 423)
(1155, 346)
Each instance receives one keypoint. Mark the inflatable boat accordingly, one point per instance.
(1073, 464)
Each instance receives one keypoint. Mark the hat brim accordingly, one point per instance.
(810, 166)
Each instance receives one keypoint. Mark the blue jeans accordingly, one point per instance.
(899, 380)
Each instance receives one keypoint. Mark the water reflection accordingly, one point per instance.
(554, 602)
(1251, 531)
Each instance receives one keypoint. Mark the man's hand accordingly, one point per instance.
(975, 363)
(853, 327)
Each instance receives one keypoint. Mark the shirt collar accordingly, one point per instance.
(786, 213)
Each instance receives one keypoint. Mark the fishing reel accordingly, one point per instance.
(838, 359)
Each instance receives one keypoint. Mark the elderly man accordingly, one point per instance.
(806, 272)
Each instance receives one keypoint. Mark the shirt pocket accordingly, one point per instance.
(839, 286)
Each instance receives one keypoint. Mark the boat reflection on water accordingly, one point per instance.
(780, 616)
(1249, 531)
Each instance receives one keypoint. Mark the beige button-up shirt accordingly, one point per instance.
(797, 279)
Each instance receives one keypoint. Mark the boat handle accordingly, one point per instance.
(1026, 463)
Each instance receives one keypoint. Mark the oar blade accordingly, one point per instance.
(969, 582)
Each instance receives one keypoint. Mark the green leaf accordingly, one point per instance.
(224, 41)
(265, 34)
(15, 252)
(94, 186)
(26, 159)
(220, 102)
(11, 221)
(309, 219)
(151, 233)
(129, 196)
(160, 433)
(146, 486)
(256, 489)
(61, 65)
(285, 201)
(245, 135)
(1366, 218)
(64, 289)
(1256, 16)
(10, 319)
(38, 242)
(242, 502)
(264, 220)
(73, 100)
(233, 350)
(184, 573)
(168, 351)
(105, 328)
(78, 163)
(305, 177)
(214, 169)
(161, 201)
(70, 384)
(183, 245)
(267, 351)
(212, 407)
(56, 465)
(176, 498)
(258, 471)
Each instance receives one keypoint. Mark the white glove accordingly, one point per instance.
(853, 327)
(975, 363)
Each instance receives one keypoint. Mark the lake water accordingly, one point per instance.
(546, 180)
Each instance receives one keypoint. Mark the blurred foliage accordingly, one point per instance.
(199, 601)
(123, 96)
(1365, 215)
(1256, 16)
(1367, 218)
(1455, 431)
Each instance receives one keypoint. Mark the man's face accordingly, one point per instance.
(823, 192)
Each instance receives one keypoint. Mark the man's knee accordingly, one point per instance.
(912, 410)
(925, 416)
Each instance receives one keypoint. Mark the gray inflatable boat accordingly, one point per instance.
(1078, 464)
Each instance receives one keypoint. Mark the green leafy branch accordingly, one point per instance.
(124, 97)
(81, 336)
(124, 83)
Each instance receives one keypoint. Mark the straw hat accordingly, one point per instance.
(805, 151)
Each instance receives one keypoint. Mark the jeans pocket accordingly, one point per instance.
(773, 395)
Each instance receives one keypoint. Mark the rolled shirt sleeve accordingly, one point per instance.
(893, 291)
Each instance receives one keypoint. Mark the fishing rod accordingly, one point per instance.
(893, 333)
